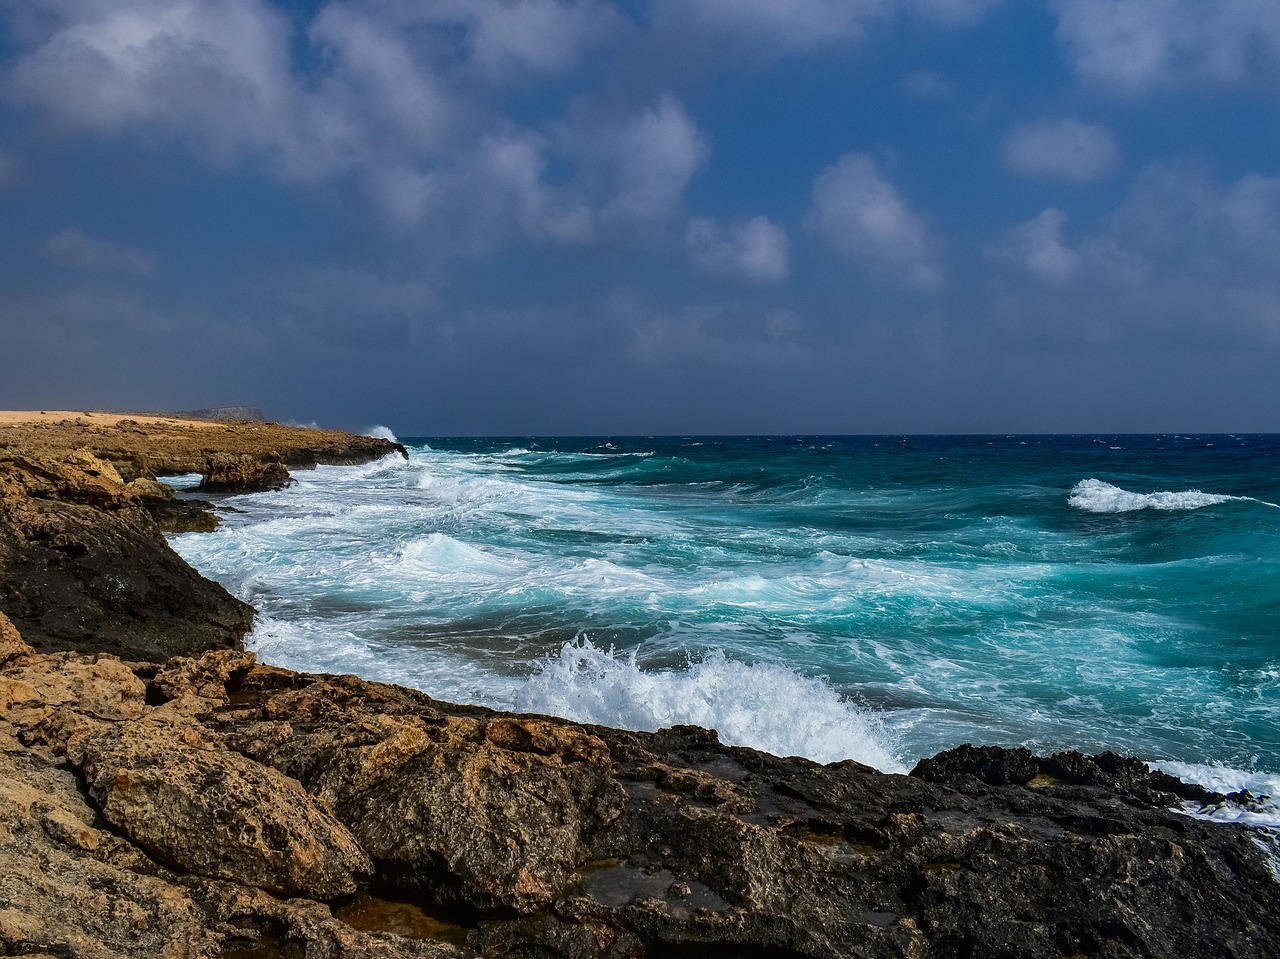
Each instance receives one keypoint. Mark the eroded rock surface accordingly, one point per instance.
(244, 473)
(84, 565)
(214, 806)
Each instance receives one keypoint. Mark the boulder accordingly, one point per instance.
(84, 566)
(244, 473)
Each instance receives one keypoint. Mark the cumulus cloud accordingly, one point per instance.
(1136, 46)
(1070, 149)
(754, 251)
(1037, 247)
(78, 248)
(212, 72)
(859, 213)
(651, 156)
(1184, 259)
(545, 36)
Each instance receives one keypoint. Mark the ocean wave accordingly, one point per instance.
(1260, 810)
(1095, 496)
(764, 706)
(381, 433)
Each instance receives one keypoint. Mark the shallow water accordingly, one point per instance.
(875, 598)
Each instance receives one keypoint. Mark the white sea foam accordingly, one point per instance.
(381, 433)
(1262, 813)
(183, 481)
(1095, 496)
(764, 706)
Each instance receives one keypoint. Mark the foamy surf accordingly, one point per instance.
(763, 705)
(1095, 496)
(1256, 802)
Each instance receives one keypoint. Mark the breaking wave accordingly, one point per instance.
(764, 706)
(1095, 496)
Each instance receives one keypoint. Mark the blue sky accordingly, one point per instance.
(673, 216)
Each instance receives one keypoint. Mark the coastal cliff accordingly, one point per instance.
(166, 795)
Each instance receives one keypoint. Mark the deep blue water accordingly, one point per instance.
(880, 598)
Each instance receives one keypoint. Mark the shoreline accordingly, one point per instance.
(246, 810)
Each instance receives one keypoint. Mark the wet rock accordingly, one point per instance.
(84, 566)
(245, 473)
(214, 785)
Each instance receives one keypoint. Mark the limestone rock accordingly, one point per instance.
(167, 811)
(231, 473)
(211, 812)
(83, 566)
(12, 647)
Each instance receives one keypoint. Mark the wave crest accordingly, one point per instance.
(1095, 496)
(763, 706)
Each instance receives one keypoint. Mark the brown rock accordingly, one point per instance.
(211, 812)
(12, 648)
(100, 577)
(231, 473)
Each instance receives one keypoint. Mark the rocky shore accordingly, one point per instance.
(163, 794)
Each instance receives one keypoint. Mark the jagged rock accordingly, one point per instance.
(12, 647)
(211, 812)
(230, 473)
(84, 566)
(532, 836)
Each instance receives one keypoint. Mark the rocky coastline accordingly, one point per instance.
(163, 794)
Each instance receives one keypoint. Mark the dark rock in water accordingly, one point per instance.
(246, 473)
(90, 569)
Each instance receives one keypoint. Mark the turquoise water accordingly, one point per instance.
(877, 598)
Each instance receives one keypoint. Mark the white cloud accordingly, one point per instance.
(547, 36)
(504, 191)
(1184, 260)
(794, 24)
(653, 155)
(212, 72)
(1136, 46)
(754, 251)
(928, 85)
(78, 248)
(1037, 246)
(859, 213)
(1070, 149)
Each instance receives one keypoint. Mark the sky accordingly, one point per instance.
(518, 217)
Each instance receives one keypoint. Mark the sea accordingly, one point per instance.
(875, 598)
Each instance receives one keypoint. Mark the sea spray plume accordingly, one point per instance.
(1095, 496)
(381, 433)
(761, 705)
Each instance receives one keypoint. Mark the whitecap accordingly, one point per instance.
(763, 705)
(1095, 496)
